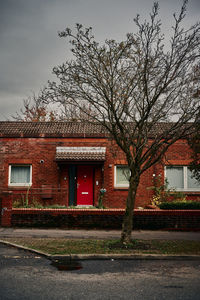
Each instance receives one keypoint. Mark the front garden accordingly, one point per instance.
(167, 198)
(163, 198)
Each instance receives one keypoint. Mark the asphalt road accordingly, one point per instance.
(24, 275)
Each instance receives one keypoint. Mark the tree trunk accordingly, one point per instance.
(128, 216)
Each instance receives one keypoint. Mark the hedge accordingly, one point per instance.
(180, 205)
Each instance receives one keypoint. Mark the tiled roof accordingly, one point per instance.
(51, 129)
(80, 153)
(67, 129)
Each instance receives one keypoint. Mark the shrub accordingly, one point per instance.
(180, 205)
(162, 193)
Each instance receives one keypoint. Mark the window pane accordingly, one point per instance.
(20, 174)
(174, 176)
(122, 175)
(192, 182)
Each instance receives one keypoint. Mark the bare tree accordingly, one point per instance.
(34, 109)
(69, 112)
(140, 90)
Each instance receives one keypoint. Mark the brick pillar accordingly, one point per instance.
(6, 208)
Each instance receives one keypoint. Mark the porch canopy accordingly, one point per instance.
(95, 154)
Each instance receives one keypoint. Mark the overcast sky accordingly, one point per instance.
(30, 46)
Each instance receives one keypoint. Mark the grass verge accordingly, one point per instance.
(63, 246)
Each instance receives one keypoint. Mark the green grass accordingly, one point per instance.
(89, 246)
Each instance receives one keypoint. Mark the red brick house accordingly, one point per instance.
(76, 160)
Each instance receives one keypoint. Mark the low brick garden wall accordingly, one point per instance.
(106, 218)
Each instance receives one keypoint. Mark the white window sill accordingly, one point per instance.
(187, 191)
(121, 187)
(20, 185)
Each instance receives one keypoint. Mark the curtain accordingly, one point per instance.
(123, 174)
(192, 182)
(174, 176)
(20, 174)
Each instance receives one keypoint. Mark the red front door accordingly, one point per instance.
(84, 185)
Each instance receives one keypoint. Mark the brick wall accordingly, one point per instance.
(6, 208)
(109, 218)
(33, 150)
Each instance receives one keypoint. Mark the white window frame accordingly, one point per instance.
(185, 182)
(19, 184)
(117, 185)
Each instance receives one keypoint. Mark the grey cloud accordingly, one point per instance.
(30, 46)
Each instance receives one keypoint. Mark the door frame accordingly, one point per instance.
(72, 197)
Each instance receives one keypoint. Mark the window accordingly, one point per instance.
(181, 178)
(20, 175)
(122, 174)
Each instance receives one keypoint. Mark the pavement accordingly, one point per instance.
(100, 234)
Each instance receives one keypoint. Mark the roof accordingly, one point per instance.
(80, 153)
(51, 129)
(69, 129)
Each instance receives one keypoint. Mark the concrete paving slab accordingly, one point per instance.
(98, 234)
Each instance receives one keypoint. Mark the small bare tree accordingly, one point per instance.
(140, 90)
(35, 110)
